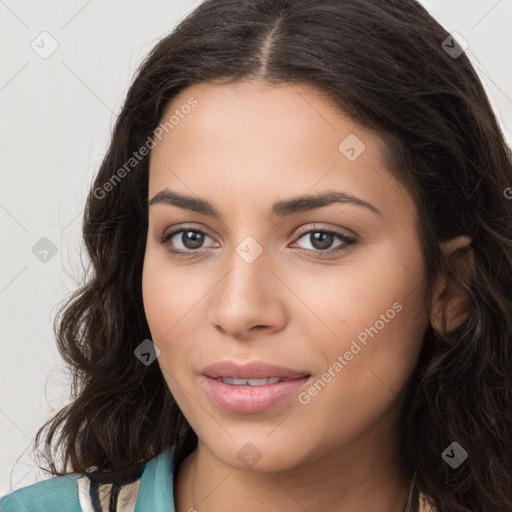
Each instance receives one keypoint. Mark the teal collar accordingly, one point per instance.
(156, 485)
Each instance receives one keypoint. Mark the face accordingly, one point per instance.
(333, 290)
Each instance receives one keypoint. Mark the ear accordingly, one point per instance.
(450, 305)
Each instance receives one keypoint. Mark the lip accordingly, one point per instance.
(251, 370)
(251, 399)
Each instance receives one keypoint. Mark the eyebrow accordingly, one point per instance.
(279, 209)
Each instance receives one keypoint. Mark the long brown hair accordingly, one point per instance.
(386, 64)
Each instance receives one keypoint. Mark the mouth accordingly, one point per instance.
(254, 387)
(232, 381)
(246, 398)
(252, 373)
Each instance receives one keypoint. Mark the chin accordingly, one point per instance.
(260, 454)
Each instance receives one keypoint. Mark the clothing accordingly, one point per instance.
(150, 488)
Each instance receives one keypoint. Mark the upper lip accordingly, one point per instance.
(251, 370)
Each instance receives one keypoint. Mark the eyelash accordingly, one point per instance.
(347, 241)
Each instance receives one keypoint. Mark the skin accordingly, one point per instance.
(244, 147)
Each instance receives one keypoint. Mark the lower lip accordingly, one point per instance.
(250, 399)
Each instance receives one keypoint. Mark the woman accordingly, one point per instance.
(302, 276)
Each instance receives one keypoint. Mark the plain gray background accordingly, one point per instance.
(57, 114)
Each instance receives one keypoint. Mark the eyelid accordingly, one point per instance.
(336, 230)
(168, 235)
(347, 240)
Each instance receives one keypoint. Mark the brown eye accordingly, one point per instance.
(191, 239)
(321, 240)
(184, 240)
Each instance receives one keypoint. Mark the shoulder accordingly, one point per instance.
(57, 493)
(79, 493)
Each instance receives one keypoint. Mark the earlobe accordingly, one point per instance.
(450, 304)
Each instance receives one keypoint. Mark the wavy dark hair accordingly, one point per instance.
(386, 64)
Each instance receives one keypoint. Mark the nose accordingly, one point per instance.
(249, 298)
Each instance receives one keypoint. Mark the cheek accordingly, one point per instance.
(174, 301)
(338, 303)
(163, 294)
(158, 304)
(378, 316)
(378, 354)
(168, 293)
(373, 311)
(167, 297)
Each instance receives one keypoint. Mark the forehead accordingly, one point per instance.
(257, 112)
(271, 138)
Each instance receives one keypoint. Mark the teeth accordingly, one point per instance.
(249, 382)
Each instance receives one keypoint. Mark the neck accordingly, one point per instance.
(362, 476)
